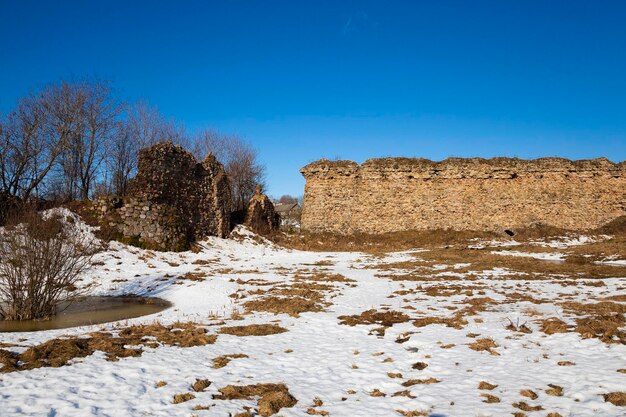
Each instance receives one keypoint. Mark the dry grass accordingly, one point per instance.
(57, 352)
(253, 330)
(222, 361)
(272, 397)
(553, 325)
(419, 366)
(555, 390)
(486, 385)
(484, 345)
(527, 407)
(490, 399)
(293, 306)
(181, 398)
(616, 398)
(200, 385)
(381, 318)
(426, 381)
(528, 394)
(413, 413)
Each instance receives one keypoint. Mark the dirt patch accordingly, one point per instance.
(222, 361)
(272, 397)
(253, 330)
(57, 352)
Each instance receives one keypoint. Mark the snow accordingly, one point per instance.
(327, 360)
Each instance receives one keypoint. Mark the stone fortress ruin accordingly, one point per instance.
(500, 194)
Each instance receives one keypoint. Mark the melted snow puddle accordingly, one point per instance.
(90, 310)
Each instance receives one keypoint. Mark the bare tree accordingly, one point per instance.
(144, 126)
(287, 199)
(40, 266)
(27, 150)
(240, 161)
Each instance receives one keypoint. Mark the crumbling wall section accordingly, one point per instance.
(399, 194)
(173, 200)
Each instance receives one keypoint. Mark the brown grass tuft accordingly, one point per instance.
(200, 385)
(253, 330)
(616, 398)
(528, 394)
(486, 385)
(490, 399)
(485, 344)
(555, 390)
(222, 361)
(526, 407)
(553, 325)
(427, 381)
(273, 397)
(381, 318)
(181, 398)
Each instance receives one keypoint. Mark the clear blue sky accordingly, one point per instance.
(302, 80)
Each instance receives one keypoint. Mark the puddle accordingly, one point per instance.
(90, 310)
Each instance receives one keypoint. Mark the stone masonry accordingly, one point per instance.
(173, 200)
(401, 194)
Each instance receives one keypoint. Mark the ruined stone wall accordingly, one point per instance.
(399, 194)
(173, 200)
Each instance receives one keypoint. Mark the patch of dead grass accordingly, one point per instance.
(222, 361)
(616, 398)
(272, 397)
(57, 352)
(484, 345)
(253, 330)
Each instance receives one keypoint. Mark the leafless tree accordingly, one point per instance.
(240, 160)
(288, 199)
(40, 266)
(144, 126)
(27, 150)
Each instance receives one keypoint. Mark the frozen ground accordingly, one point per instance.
(354, 370)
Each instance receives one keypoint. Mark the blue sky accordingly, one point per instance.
(302, 80)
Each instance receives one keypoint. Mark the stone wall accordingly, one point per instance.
(173, 200)
(399, 194)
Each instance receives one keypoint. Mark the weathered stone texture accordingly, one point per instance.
(261, 216)
(399, 194)
(173, 200)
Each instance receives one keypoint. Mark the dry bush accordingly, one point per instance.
(253, 330)
(41, 264)
(273, 397)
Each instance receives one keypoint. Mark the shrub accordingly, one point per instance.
(40, 265)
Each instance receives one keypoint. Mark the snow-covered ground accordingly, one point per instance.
(320, 358)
